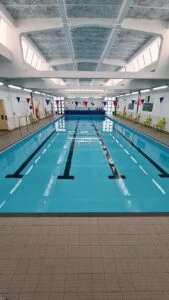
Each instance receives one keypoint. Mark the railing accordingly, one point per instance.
(27, 122)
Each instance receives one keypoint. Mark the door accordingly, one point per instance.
(3, 117)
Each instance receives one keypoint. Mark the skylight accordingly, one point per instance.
(146, 57)
(29, 55)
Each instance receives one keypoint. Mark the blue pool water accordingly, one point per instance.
(85, 164)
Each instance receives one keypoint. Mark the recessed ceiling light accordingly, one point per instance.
(14, 87)
(145, 91)
(160, 87)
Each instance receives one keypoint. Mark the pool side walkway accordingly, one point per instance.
(152, 132)
(10, 137)
(86, 258)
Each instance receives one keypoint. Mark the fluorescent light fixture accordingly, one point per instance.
(43, 94)
(27, 90)
(1, 83)
(145, 91)
(127, 94)
(83, 90)
(134, 93)
(160, 87)
(14, 87)
(36, 92)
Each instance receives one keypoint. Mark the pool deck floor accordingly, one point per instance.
(160, 136)
(84, 258)
(7, 138)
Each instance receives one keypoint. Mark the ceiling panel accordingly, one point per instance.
(93, 8)
(89, 41)
(85, 66)
(149, 9)
(151, 3)
(91, 11)
(63, 67)
(94, 2)
(52, 43)
(21, 9)
(127, 43)
(106, 67)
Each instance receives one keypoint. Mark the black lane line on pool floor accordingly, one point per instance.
(69, 158)
(163, 174)
(108, 157)
(22, 167)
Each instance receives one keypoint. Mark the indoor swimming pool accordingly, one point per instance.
(85, 164)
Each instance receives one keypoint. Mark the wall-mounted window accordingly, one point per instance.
(29, 55)
(3, 32)
(59, 105)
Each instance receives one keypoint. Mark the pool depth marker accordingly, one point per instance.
(108, 157)
(17, 173)
(69, 158)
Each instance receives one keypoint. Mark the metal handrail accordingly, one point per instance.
(22, 121)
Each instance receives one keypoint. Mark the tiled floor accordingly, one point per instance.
(13, 136)
(84, 258)
(158, 135)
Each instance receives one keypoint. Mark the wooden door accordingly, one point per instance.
(3, 117)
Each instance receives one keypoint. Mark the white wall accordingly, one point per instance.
(70, 103)
(160, 110)
(17, 111)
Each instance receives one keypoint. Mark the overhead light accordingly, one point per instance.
(27, 90)
(134, 93)
(43, 94)
(36, 92)
(145, 91)
(1, 83)
(14, 87)
(160, 87)
(83, 90)
(127, 94)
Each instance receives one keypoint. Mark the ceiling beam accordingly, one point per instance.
(122, 13)
(5, 53)
(163, 63)
(40, 24)
(114, 62)
(6, 16)
(63, 14)
(154, 27)
(12, 73)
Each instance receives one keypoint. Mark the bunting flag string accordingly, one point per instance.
(28, 100)
(85, 103)
(18, 99)
(138, 102)
(47, 101)
(161, 99)
(32, 104)
(76, 103)
(142, 101)
(104, 103)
